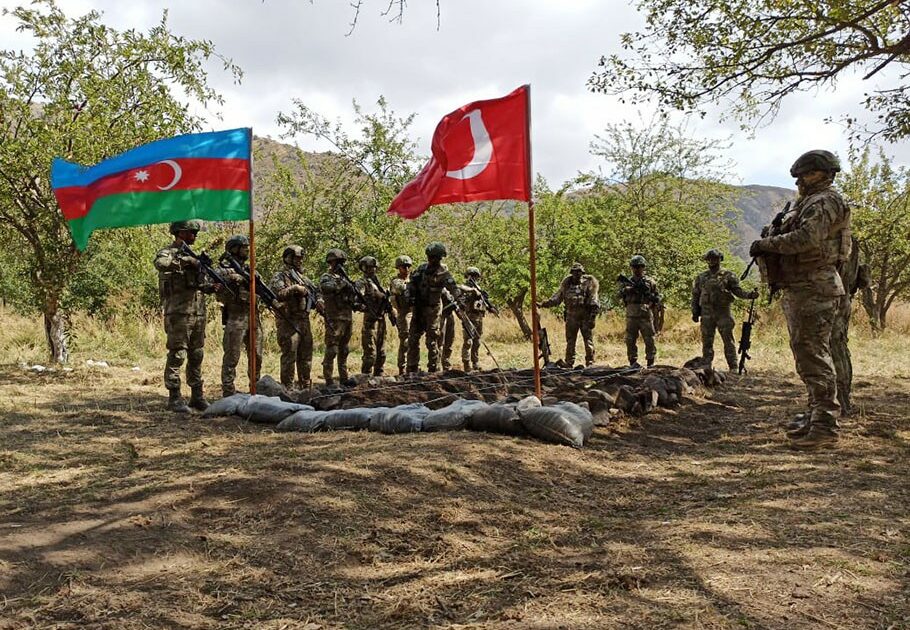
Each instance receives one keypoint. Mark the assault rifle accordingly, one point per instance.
(484, 296)
(357, 292)
(311, 300)
(469, 328)
(263, 291)
(640, 287)
(205, 265)
(543, 345)
(745, 338)
(386, 302)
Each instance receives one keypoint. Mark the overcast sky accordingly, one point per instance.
(296, 49)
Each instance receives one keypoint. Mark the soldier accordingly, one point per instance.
(234, 296)
(641, 299)
(855, 277)
(372, 335)
(398, 290)
(340, 303)
(299, 296)
(425, 292)
(579, 291)
(801, 254)
(475, 309)
(712, 295)
(182, 287)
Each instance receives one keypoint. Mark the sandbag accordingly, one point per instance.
(305, 421)
(401, 419)
(582, 414)
(226, 406)
(453, 417)
(350, 419)
(556, 425)
(497, 418)
(268, 410)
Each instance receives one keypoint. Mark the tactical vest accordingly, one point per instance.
(179, 290)
(715, 293)
(338, 296)
(833, 251)
(428, 284)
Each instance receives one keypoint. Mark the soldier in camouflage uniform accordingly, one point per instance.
(579, 291)
(425, 293)
(235, 312)
(712, 295)
(183, 286)
(804, 250)
(855, 277)
(398, 290)
(372, 334)
(641, 298)
(475, 309)
(298, 296)
(340, 303)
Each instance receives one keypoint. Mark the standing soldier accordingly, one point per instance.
(712, 295)
(182, 286)
(399, 289)
(372, 335)
(855, 277)
(299, 296)
(475, 309)
(801, 255)
(641, 299)
(340, 302)
(579, 291)
(235, 312)
(425, 292)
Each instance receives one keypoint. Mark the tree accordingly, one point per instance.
(879, 196)
(746, 56)
(84, 93)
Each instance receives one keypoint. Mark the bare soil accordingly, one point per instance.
(117, 514)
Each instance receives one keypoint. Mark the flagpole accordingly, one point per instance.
(532, 246)
(251, 353)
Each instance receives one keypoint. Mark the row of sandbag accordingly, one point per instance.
(560, 423)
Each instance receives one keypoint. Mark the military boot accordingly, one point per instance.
(304, 384)
(175, 402)
(467, 366)
(819, 436)
(197, 399)
(797, 427)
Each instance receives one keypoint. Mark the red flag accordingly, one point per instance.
(480, 152)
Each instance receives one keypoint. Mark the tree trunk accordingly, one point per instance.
(515, 305)
(55, 330)
(869, 307)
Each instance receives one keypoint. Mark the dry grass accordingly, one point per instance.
(115, 514)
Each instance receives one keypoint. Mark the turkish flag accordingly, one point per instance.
(480, 152)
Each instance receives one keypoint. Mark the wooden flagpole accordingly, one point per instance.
(532, 246)
(251, 353)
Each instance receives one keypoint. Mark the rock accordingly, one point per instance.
(268, 386)
(696, 363)
(38, 368)
(529, 402)
(98, 364)
(135, 368)
(598, 401)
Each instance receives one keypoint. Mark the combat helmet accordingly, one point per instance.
(815, 160)
(472, 271)
(713, 253)
(436, 250)
(335, 255)
(292, 250)
(367, 262)
(403, 261)
(236, 241)
(190, 226)
(638, 261)
(577, 266)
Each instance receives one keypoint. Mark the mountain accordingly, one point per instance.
(758, 205)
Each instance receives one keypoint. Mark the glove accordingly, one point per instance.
(235, 277)
(189, 261)
(753, 294)
(301, 289)
(755, 249)
(695, 317)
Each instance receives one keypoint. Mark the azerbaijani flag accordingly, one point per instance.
(194, 176)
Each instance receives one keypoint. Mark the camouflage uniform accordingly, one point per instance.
(640, 302)
(447, 333)
(582, 302)
(373, 330)
(340, 301)
(425, 289)
(712, 296)
(298, 295)
(812, 239)
(855, 277)
(235, 316)
(398, 289)
(182, 287)
(474, 310)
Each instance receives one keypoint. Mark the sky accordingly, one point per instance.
(297, 49)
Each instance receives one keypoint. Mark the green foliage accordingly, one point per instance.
(746, 56)
(879, 196)
(86, 92)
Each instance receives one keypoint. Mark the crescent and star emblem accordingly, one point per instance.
(178, 173)
(483, 149)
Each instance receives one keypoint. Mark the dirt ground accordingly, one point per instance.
(116, 514)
